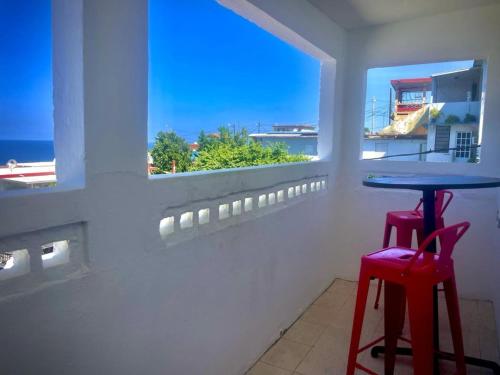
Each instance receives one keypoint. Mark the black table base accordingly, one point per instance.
(493, 366)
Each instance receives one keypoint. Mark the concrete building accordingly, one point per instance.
(458, 100)
(407, 134)
(300, 139)
(200, 273)
(434, 113)
(27, 175)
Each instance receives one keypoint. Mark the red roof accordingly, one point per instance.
(408, 83)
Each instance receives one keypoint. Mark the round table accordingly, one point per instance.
(428, 184)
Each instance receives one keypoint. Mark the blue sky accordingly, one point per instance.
(25, 70)
(379, 81)
(208, 67)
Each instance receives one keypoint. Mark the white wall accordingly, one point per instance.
(132, 304)
(394, 147)
(458, 35)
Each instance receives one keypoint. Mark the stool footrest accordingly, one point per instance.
(365, 369)
(376, 341)
(370, 344)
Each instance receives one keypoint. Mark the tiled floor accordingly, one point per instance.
(318, 341)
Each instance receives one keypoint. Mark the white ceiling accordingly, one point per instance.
(352, 14)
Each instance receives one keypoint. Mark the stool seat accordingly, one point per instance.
(415, 216)
(397, 259)
(410, 275)
(407, 222)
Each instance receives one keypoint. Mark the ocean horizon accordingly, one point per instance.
(26, 151)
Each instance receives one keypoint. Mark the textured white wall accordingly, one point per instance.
(210, 305)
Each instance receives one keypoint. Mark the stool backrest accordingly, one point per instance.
(448, 237)
(443, 199)
(441, 202)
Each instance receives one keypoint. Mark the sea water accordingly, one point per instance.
(24, 151)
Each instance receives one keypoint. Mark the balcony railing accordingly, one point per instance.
(467, 112)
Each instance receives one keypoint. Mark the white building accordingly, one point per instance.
(27, 175)
(299, 139)
(449, 119)
(458, 98)
(200, 273)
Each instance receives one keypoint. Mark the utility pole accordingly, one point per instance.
(373, 113)
(390, 105)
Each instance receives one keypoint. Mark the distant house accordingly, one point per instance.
(455, 114)
(407, 132)
(434, 113)
(300, 138)
(27, 175)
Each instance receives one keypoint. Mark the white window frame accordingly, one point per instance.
(421, 166)
(460, 137)
(327, 84)
(67, 99)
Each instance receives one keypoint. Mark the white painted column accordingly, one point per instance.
(116, 84)
(67, 70)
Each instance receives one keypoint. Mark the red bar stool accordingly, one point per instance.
(406, 222)
(410, 275)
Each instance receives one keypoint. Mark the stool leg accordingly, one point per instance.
(394, 297)
(387, 240)
(439, 223)
(387, 235)
(420, 309)
(403, 236)
(420, 236)
(379, 289)
(359, 312)
(452, 304)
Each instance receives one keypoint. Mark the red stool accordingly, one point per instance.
(406, 222)
(410, 275)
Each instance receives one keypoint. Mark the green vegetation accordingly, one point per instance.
(469, 118)
(217, 151)
(167, 148)
(435, 114)
(452, 119)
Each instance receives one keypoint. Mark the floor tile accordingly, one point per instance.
(317, 344)
(286, 354)
(320, 315)
(304, 332)
(261, 368)
(327, 357)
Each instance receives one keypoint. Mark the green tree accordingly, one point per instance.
(167, 148)
(204, 141)
(237, 152)
(224, 136)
